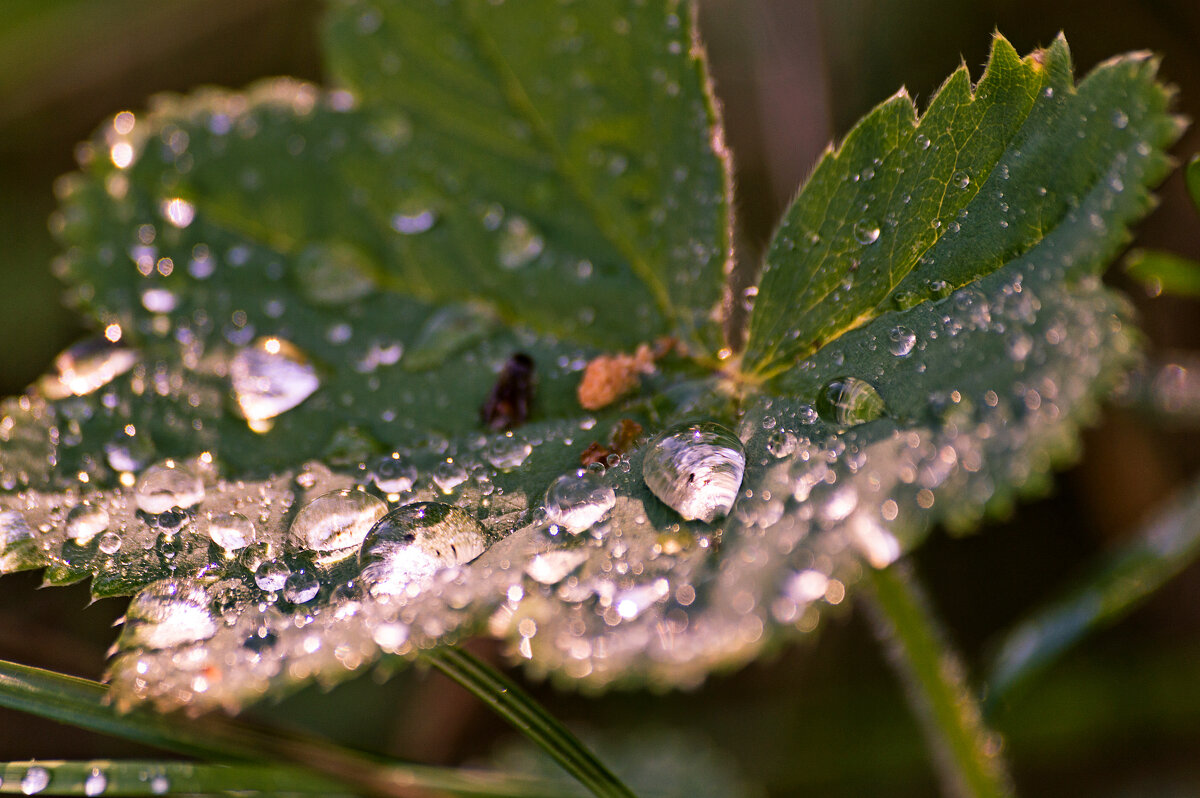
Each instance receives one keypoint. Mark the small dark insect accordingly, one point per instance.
(510, 399)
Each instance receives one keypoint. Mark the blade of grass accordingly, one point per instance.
(155, 777)
(966, 754)
(517, 707)
(1109, 590)
(81, 703)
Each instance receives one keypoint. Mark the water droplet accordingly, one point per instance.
(576, 502)
(178, 212)
(696, 470)
(507, 453)
(334, 273)
(95, 783)
(269, 378)
(413, 218)
(448, 475)
(110, 543)
(301, 586)
(922, 141)
(85, 521)
(394, 474)
(166, 486)
(129, 452)
(87, 366)
(782, 444)
(901, 340)
(866, 232)
(960, 179)
(35, 780)
(160, 784)
(336, 521)
(413, 542)
(849, 401)
(519, 243)
(1120, 119)
(271, 576)
(231, 531)
(168, 614)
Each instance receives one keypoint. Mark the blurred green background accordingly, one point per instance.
(1120, 716)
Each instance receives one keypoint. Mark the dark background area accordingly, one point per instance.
(1120, 716)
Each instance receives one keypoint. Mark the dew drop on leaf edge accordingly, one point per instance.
(696, 470)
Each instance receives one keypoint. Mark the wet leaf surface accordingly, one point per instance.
(280, 451)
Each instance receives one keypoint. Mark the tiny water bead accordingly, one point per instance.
(334, 273)
(301, 586)
(394, 474)
(166, 486)
(270, 377)
(696, 470)
(849, 401)
(576, 502)
(866, 232)
(519, 243)
(960, 179)
(85, 521)
(88, 366)
(110, 543)
(901, 341)
(35, 780)
(506, 452)
(412, 543)
(448, 475)
(231, 531)
(336, 521)
(168, 614)
(271, 575)
(95, 783)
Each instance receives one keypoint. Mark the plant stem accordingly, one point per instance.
(517, 707)
(82, 703)
(966, 754)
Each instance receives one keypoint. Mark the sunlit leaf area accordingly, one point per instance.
(616, 398)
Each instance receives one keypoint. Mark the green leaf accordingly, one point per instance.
(909, 209)
(1164, 272)
(137, 777)
(949, 407)
(1111, 588)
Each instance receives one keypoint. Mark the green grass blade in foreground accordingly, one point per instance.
(909, 209)
(1164, 272)
(156, 777)
(1113, 587)
(82, 703)
(592, 125)
(966, 754)
(517, 707)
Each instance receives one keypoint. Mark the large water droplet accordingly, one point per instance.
(85, 521)
(901, 340)
(960, 179)
(35, 780)
(334, 273)
(696, 470)
(337, 521)
(166, 486)
(576, 502)
(413, 542)
(519, 243)
(168, 614)
(849, 401)
(269, 378)
(87, 366)
(231, 531)
(448, 475)
(110, 543)
(866, 232)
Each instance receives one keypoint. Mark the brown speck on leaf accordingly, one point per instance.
(624, 435)
(509, 402)
(609, 377)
